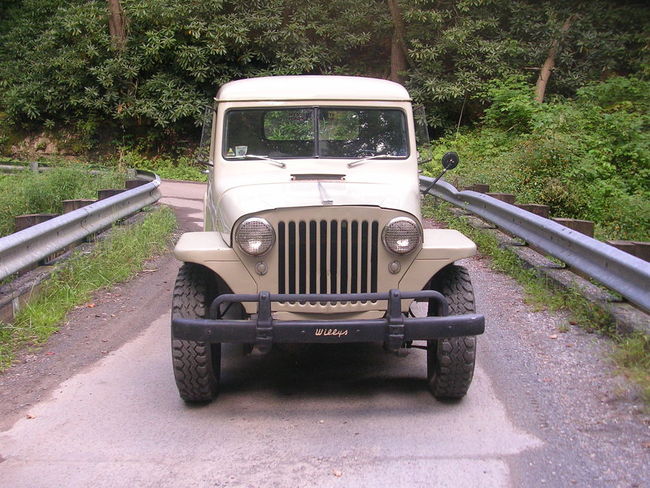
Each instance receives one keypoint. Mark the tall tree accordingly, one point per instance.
(398, 53)
(547, 68)
(117, 24)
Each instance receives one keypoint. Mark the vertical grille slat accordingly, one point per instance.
(314, 269)
(374, 243)
(292, 257)
(320, 256)
(302, 257)
(334, 257)
(344, 249)
(354, 258)
(364, 257)
(323, 256)
(282, 253)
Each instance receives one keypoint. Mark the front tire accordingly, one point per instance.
(197, 365)
(450, 361)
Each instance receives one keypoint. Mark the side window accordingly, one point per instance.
(203, 151)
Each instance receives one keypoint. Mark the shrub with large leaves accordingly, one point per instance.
(587, 158)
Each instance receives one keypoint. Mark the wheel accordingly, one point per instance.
(450, 361)
(197, 365)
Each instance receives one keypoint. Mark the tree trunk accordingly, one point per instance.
(117, 24)
(398, 55)
(549, 64)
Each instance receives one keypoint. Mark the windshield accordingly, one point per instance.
(325, 132)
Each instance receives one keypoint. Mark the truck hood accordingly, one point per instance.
(238, 201)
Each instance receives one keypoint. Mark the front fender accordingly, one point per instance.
(210, 250)
(441, 247)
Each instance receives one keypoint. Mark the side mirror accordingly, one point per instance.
(450, 160)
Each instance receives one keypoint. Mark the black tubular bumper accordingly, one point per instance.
(263, 330)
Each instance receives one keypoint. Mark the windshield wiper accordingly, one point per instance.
(263, 158)
(352, 164)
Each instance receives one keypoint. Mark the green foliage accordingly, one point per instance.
(586, 159)
(181, 168)
(61, 66)
(629, 94)
(456, 47)
(58, 66)
(112, 260)
(513, 104)
(27, 192)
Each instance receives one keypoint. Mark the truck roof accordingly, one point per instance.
(308, 87)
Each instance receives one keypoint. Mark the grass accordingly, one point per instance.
(112, 260)
(27, 192)
(631, 354)
(181, 168)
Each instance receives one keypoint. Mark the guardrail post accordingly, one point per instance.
(481, 187)
(585, 227)
(478, 187)
(627, 246)
(109, 192)
(24, 221)
(504, 197)
(541, 210)
(635, 248)
(642, 250)
(70, 205)
(130, 184)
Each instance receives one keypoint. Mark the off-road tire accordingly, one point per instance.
(450, 361)
(197, 365)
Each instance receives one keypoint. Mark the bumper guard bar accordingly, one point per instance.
(263, 330)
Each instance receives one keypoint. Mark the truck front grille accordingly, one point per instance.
(320, 256)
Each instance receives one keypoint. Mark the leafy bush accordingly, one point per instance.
(513, 104)
(60, 66)
(588, 158)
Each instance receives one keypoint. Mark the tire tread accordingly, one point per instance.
(194, 362)
(450, 361)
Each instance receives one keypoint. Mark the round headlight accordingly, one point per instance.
(401, 235)
(255, 236)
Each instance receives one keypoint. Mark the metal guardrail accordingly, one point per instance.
(28, 246)
(616, 269)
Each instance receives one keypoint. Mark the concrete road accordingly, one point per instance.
(544, 410)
